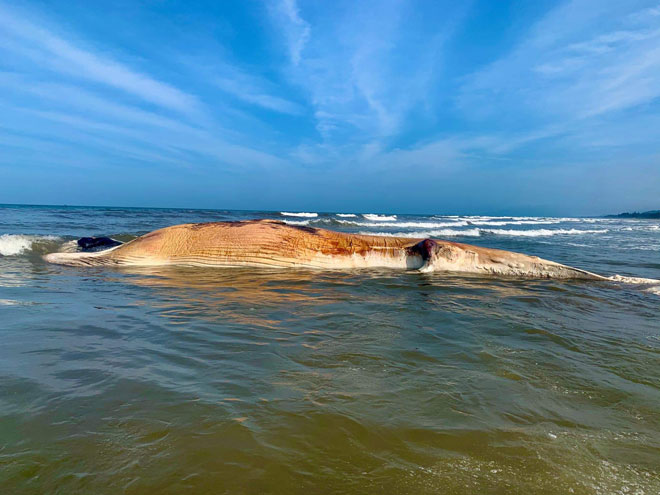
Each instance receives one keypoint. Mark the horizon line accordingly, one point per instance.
(300, 211)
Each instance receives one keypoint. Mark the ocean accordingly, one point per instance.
(243, 380)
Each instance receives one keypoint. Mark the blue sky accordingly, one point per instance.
(529, 107)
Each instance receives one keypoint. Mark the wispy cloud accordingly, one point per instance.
(59, 91)
(433, 95)
(583, 59)
(254, 90)
(294, 28)
(45, 47)
(363, 69)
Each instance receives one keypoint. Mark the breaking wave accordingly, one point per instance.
(498, 223)
(476, 232)
(297, 222)
(379, 218)
(429, 233)
(405, 225)
(16, 244)
(542, 232)
(380, 224)
(299, 214)
(504, 220)
(346, 215)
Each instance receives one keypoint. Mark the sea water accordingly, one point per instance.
(242, 380)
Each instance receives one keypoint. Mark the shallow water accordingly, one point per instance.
(276, 381)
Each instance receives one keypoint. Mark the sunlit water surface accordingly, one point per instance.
(277, 381)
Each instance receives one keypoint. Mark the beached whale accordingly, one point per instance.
(271, 243)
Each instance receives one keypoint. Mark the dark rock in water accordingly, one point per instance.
(91, 244)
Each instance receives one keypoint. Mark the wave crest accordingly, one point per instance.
(379, 218)
(297, 222)
(476, 232)
(403, 225)
(17, 244)
(299, 214)
(429, 233)
(541, 232)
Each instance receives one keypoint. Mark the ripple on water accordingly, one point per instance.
(253, 381)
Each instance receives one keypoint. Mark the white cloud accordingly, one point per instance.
(295, 28)
(583, 59)
(63, 56)
(254, 90)
(363, 68)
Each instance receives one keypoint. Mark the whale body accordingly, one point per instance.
(272, 243)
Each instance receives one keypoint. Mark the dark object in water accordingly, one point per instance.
(92, 244)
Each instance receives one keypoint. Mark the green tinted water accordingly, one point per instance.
(259, 382)
(250, 381)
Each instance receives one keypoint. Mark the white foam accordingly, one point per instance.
(542, 232)
(379, 218)
(297, 222)
(299, 214)
(476, 232)
(498, 223)
(13, 244)
(404, 225)
(429, 233)
(346, 215)
(523, 220)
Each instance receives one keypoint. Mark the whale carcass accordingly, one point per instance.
(272, 243)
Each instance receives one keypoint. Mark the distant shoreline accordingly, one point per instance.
(637, 214)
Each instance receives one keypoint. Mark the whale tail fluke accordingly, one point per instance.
(650, 285)
(634, 280)
(443, 256)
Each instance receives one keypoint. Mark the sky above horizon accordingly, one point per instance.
(480, 107)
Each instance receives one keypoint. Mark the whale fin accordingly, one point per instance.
(82, 259)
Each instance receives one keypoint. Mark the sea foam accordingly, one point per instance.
(499, 223)
(379, 218)
(299, 214)
(429, 233)
(14, 244)
(297, 222)
(476, 232)
(404, 225)
(542, 232)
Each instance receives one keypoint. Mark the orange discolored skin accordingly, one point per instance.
(275, 244)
